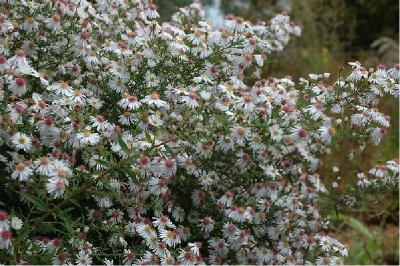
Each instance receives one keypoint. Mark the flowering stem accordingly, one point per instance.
(74, 194)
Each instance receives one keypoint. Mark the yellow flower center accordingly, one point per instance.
(154, 95)
(20, 167)
(87, 133)
(64, 85)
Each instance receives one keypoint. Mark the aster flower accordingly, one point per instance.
(154, 100)
(20, 62)
(151, 80)
(187, 258)
(129, 257)
(92, 80)
(163, 221)
(22, 141)
(22, 171)
(152, 12)
(16, 223)
(207, 224)
(83, 258)
(5, 239)
(18, 87)
(60, 259)
(178, 214)
(54, 23)
(56, 186)
(99, 122)
(130, 102)
(155, 121)
(115, 215)
(61, 88)
(4, 223)
(87, 137)
(190, 99)
(171, 238)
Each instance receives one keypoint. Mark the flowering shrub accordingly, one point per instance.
(129, 141)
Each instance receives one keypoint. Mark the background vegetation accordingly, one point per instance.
(335, 32)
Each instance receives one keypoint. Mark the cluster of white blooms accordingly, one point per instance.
(125, 140)
(6, 225)
(382, 175)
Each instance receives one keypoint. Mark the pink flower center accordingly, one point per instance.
(3, 216)
(57, 243)
(6, 234)
(169, 164)
(61, 257)
(302, 133)
(20, 53)
(115, 214)
(2, 59)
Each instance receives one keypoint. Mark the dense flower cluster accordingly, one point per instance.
(129, 141)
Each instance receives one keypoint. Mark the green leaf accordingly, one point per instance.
(130, 173)
(123, 145)
(35, 201)
(75, 202)
(168, 149)
(358, 226)
(148, 137)
(104, 162)
(23, 233)
(68, 223)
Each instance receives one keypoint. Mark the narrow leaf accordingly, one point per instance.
(123, 145)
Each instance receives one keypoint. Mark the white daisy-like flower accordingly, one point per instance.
(129, 102)
(195, 248)
(276, 133)
(99, 122)
(327, 133)
(88, 137)
(178, 214)
(20, 62)
(54, 23)
(56, 186)
(152, 12)
(83, 258)
(16, 223)
(162, 222)
(206, 224)
(247, 103)
(62, 88)
(18, 87)
(187, 257)
(154, 100)
(4, 220)
(151, 80)
(5, 239)
(190, 99)
(284, 248)
(171, 238)
(22, 141)
(22, 171)
(155, 121)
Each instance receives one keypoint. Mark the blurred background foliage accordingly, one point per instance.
(335, 32)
